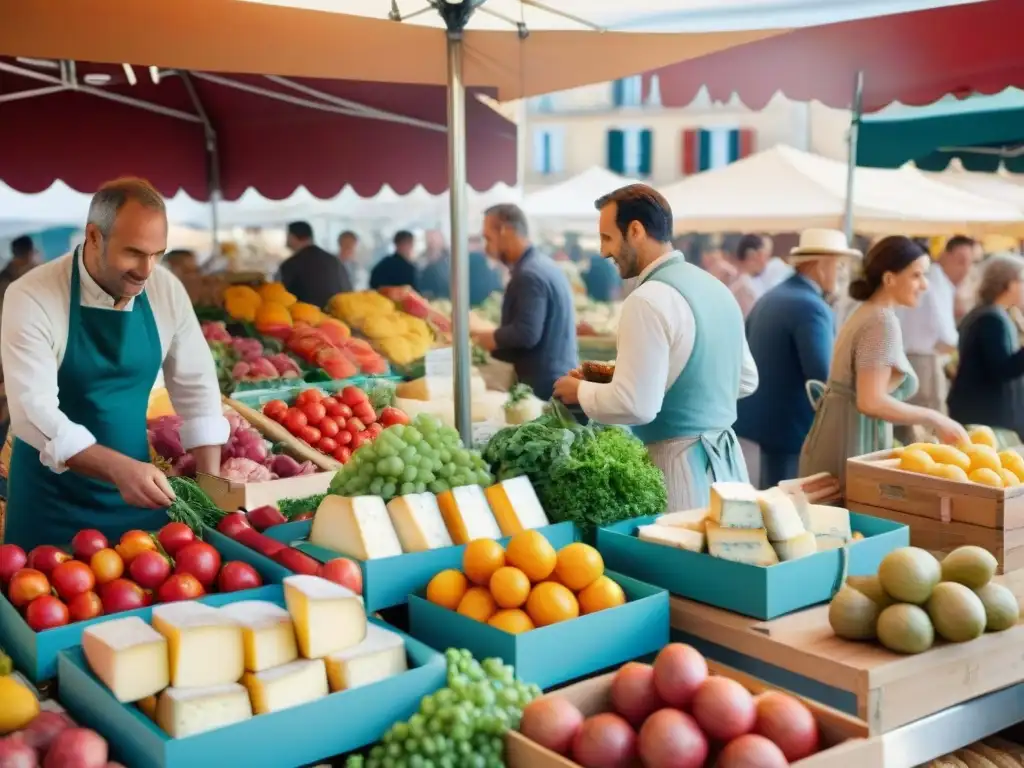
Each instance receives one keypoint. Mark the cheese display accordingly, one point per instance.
(417, 521)
(692, 519)
(267, 633)
(830, 525)
(735, 505)
(129, 656)
(327, 617)
(801, 545)
(741, 545)
(681, 538)
(205, 646)
(185, 712)
(357, 526)
(467, 514)
(381, 655)
(515, 505)
(286, 686)
(781, 519)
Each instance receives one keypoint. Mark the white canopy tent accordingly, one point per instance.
(569, 205)
(1001, 186)
(784, 189)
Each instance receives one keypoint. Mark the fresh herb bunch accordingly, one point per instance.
(292, 508)
(192, 506)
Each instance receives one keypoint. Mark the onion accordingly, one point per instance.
(788, 723)
(751, 751)
(679, 671)
(672, 739)
(633, 694)
(552, 722)
(724, 709)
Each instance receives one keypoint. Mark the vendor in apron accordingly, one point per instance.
(682, 357)
(83, 340)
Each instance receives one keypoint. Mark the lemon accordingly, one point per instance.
(916, 460)
(986, 476)
(18, 705)
(982, 457)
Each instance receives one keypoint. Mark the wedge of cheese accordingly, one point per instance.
(741, 545)
(781, 519)
(381, 655)
(669, 536)
(691, 519)
(467, 514)
(267, 633)
(356, 526)
(734, 505)
(296, 683)
(515, 505)
(182, 712)
(205, 646)
(129, 656)
(801, 545)
(327, 617)
(829, 523)
(417, 521)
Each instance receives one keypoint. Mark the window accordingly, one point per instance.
(629, 151)
(704, 149)
(628, 92)
(549, 150)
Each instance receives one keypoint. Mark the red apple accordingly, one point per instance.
(174, 536)
(233, 524)
(87, 543)
(236, 576)
(149, 569)
(46, 557)
(201, 560)
(343, 571)
(391, 416)
(72, 578)
(180, 586)
(85, 606)
(12, 560)
(121, 595)
(46, 612)
(26, 585)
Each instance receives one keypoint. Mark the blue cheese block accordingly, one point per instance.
(734, 505)
(801, 545)
(830, 525)
(781, 519)
(741, 545)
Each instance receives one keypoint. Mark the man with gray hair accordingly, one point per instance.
(82, 341)
(537, 334)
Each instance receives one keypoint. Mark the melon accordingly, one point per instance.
(1002, 610)
(872, 587)
(957, 614)
(971, 566)
(905, 628)
(852, 614)
(909, 574)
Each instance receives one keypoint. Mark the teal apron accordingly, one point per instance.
(110, 364)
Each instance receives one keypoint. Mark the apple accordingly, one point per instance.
(26, 585)
(12, 560)
(72, 578)
(46, 612)
(236, 576)
(233, 524)
(87, 543)
(174, 536)
(149, 569)
(85, 606)
(201, 560)
(46, 557)
(78, 747)
(343, 571)
(180, 586)
(121, 595)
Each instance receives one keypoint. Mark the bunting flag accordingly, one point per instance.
(706, 149)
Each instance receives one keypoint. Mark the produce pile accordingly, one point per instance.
(401, 337)
(591, 476)
(974, 462)
(526, 584)
(241, 359)
(330, 346)
(412, 303)
(913, 598)
(52, 587)
(675, 715)
(462, 725)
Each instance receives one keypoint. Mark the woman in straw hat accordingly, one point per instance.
(871, 378)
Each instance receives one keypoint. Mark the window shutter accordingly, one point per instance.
(616, 151)
(734, 145)
(748, 136)
(704, 153)
(557, 150)
(618, 92)
(691, 144)
(646, 148)
(540, 146)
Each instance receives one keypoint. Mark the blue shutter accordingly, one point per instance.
(734, 145)
(705, 150)
(540, 159)
(646, 150)
(618, 92)
(616, 151)
(557, 150)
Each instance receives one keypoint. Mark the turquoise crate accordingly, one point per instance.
(388, 581)
(561, 652)
(308, 733)
(35, 653)
(256, 397)
(271, 571)
(752, 590)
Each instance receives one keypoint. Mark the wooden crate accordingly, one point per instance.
(942, 514)
(844, 737)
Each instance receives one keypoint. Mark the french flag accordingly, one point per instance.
(704, 149)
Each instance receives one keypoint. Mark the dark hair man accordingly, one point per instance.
(397, 268)
(312, 274)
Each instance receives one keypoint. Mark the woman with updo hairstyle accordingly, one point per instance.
(989, 384)
(871, 378)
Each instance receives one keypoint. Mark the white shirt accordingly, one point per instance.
(775, 272)
(932, 322)
(657, 331)
(33, 336)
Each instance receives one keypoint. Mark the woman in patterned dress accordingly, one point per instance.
(871, 378)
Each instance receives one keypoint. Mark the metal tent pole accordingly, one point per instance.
(851, 160)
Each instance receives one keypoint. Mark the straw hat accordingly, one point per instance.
(823, 242)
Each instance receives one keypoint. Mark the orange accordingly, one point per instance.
(481, 558)
(509, 587)
(550, 603)
(579, 566)
(447, 589)
(477, 604)
(531, 553)
(107, 565)
(513, 621)
(134, 543)
(603, 593)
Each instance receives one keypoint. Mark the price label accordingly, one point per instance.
(439, 368)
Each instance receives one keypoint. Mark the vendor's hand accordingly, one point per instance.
(484, 340)
(567, 389)
(949, 431)
(142, 484)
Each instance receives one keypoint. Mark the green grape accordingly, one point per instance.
(409, 454)
(445, 455)
(386, 451)
(356, 761)
(420, 488)
(367, 453)
(377, 752)
(409, 473)
(406, 488)
(425, 476)
(376, 485)
(412, 435)
(438, 486)
(461, 458)
(398, 430)
(367, 470)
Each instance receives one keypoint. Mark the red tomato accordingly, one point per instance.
(309, 435)
(327, 445)
(354, 425)
(344, 413)
(328, 427)
(358, 439)
(342, 453)
(374, 430)
(309, 396)
(333, 407)
(344, 437)
(275, 409)
(352, 396)
(294, 420)
(365, 413)
(315, 412)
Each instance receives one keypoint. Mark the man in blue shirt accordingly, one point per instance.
(396, 269)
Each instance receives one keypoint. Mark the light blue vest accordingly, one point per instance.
(703, 398)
